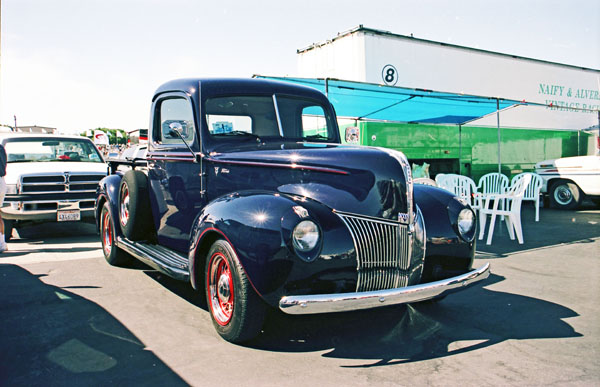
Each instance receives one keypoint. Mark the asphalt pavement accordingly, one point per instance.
(68, 318)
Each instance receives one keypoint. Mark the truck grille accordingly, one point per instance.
(61, 182)
(382, 252)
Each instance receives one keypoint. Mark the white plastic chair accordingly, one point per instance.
(513, 197)
(425, 181)
(461, 186)
(439, 178)
(532, 193)
(492, 183)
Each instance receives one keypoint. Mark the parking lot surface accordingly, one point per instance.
(68, 318)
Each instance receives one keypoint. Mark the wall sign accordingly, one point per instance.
(389, 74)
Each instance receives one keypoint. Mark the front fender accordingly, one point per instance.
(108, 192)
(259, 227)
(447, 254)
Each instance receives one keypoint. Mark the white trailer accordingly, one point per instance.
(381, 57)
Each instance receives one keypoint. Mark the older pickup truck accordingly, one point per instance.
(246, 192)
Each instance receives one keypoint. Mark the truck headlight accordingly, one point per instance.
(305, 236)
(465, 222)
(11, 189)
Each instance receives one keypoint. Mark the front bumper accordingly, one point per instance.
(85, 207)
(343, 302)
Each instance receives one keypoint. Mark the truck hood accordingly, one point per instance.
(364, 180)
(585, 162)
(15, 170)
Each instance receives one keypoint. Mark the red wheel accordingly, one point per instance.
(124, 205)
(236, 310)
(220, 289)
(112, 253)
(107, 233)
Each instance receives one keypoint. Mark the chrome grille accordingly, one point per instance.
(382, 252)
(60, 182)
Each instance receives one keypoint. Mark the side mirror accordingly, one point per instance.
(352, 135)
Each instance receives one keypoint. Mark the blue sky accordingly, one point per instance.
(82, 64)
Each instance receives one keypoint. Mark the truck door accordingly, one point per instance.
(174, 173)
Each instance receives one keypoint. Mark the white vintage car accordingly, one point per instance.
(568, 180)
(49, 178)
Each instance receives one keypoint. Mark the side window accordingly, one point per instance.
(313, 122)
(175, 113)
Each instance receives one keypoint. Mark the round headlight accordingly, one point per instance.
(466, 221)
(305, 236)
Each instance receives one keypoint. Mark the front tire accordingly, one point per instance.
(112, 253)
(565, 195)
(237, 311)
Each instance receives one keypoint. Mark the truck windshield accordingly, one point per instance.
(24, 150)
(292, 118)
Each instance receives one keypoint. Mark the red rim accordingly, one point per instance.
(106, 234)
(220, 289)
(124, 205)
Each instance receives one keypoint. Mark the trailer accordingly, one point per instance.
(558, 116)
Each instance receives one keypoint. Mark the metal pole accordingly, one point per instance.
(499, 139)
(327, 87)
(459, 148)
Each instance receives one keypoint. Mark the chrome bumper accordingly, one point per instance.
(343, 302)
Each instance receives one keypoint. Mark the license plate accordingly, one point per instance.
(68, 216)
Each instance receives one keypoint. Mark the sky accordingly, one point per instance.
(82, 64)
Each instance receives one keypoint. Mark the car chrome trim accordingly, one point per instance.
(277, 115)
(280, 165)
(343, 302)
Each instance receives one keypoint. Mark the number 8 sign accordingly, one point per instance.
(389, 74)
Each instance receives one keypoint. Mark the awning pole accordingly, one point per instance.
(459, 148)
(327, 87)
(499, 139)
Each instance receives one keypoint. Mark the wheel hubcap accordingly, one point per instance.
(220, 289)
(563, 195)
(124, 207)
(106, 234)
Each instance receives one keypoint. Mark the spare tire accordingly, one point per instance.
(135, 214)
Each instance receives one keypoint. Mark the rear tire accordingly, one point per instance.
(565, 195)
(135, 214)
(112, 253)
(237, 311)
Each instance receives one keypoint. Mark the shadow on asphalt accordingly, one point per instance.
(416, 332)
(59, 232)
(555, 227)
(180, 288)
(53, 337)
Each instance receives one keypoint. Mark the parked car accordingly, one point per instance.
(49, 178)
(248, 194)
(569, 179)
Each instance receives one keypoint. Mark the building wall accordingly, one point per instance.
(423, 64)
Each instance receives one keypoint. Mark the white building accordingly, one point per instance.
(381, 57)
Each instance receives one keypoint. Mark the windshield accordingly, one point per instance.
(49, 149)
(292, 118)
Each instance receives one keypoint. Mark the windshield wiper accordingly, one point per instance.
(317, 137)
(236, 133)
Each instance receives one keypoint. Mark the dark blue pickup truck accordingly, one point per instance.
(246, 192)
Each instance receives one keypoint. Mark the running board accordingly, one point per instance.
(158, 257)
